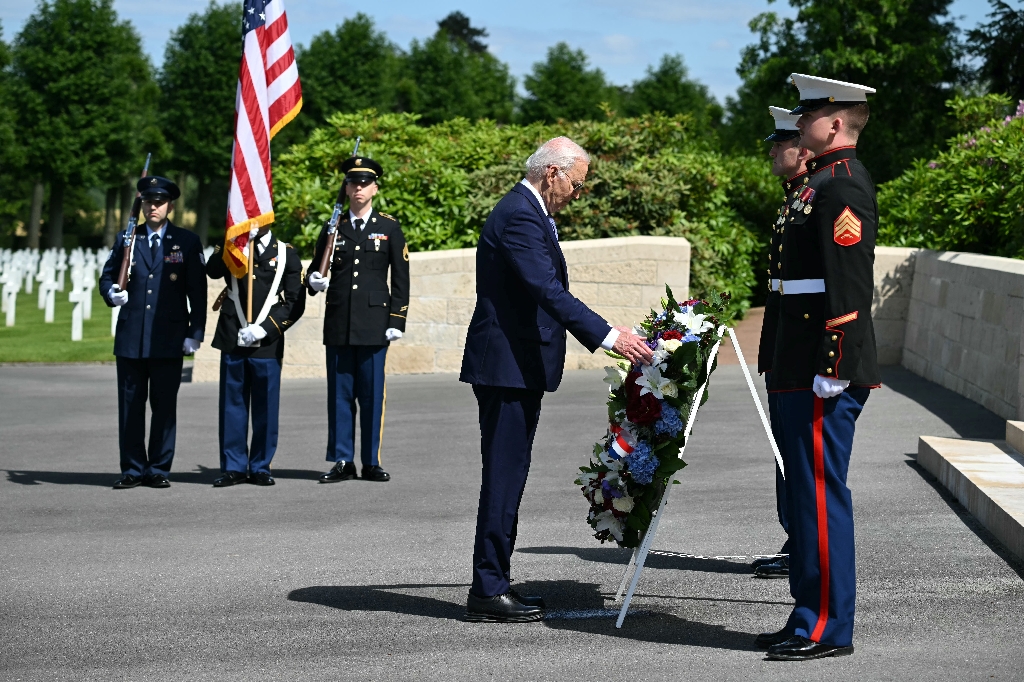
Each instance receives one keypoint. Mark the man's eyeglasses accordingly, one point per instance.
(576, 186)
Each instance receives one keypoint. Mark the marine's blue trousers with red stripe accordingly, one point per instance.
(817, 438)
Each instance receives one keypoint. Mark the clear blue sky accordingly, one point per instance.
(622, 37)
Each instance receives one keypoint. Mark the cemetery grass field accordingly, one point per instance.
(32, 340)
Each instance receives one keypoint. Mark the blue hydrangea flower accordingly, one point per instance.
(642, 463)
(670, 422)
(690, 338)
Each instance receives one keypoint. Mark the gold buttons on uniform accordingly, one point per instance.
(355, 274)
(834, 337)
(355, 286)
(357, 261)
(828, 370)
(151, 276)
(831, 354)
(149, 291)
(780, 248)
(357, 248)
(806, 316)
(147, 307)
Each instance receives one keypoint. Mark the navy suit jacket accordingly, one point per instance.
(517, 336)
(156, 320)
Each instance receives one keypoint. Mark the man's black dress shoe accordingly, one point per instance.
(127, 481)
(375, 473)
(761, 561)
(769, 639)
(503, 608)
(779, 569)
(261, 479)
(528, 601)
(230, 478)
(156, 481)
(799, 648)
(342, 471)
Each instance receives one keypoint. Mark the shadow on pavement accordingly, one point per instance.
(381, 598)
(618, 555)
(966, 417)
(203, 476)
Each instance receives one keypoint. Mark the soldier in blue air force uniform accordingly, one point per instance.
(162, 318)
(824, 364)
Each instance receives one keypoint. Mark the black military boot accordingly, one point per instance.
(342, 471)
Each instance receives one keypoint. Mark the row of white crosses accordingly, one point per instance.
(23, 268)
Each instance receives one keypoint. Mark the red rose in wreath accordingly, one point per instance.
(640, 409)
(672, 334)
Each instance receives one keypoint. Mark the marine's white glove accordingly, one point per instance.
(248, 336)
(116, 296)
(317, 282)
(827, 387)
(392, 334)
(190, 346)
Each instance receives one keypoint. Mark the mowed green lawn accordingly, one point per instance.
(32, 340)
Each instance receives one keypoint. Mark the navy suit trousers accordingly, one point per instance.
(355, 374)
(817, 436)
(508, 423)
(158, 380)
(780, 481)
(248, 384)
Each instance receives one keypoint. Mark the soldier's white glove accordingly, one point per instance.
(248, 336)
(827, 387)
(190, 346)
(317, 282)
(116, 296)
(392, 334)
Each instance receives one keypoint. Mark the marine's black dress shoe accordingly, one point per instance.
(230, 478)
(503, 608)
(342, 471)
(778, 569)
(528, 601)
(375, 473)
(769, 639)
(156, 481)
(127, 481)
(761, 561)
(261, 479)
(799, 648)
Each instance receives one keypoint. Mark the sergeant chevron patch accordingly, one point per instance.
(846, 228)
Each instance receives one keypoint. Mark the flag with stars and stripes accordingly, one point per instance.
(268, 97)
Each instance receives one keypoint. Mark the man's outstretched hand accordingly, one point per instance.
(632, 347)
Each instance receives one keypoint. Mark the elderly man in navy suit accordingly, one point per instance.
(155, 329)
(515, 351)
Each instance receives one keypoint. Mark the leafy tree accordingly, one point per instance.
(907, 49)
(562, 87)
(80, 82)
(457, 26)
(445, 77)
(1000, 44)
(670, 90)
(198, 85)
(10, 153)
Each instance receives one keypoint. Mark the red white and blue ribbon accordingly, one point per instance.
(620, 445)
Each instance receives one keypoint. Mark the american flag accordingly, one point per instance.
(269, 96)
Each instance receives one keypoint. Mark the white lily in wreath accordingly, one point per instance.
(651, 381)
(694, 323)
(616, 374)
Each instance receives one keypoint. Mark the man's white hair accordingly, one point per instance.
(560, 152)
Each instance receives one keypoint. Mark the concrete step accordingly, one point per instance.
(987, 477)
(1015, 435)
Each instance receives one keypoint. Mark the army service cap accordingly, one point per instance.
(361, 169)
(156, 187)
(816, 92)
(785, 125)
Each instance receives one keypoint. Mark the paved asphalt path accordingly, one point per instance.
(367, 581)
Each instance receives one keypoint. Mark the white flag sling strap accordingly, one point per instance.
(271, 296)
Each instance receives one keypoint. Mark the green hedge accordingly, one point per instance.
(971, 196)
(650, 175)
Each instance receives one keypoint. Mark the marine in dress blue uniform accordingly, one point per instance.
(361, 318)
(824, 364)
(163, 319)
(251, 355)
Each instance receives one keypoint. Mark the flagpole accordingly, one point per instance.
(252, 275)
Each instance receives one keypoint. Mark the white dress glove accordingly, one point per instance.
(116, 296)
(392, 334)
(248, 336)
(317, 282)
(827, 387)
(190, 346)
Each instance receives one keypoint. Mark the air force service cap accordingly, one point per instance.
(361, 169)
(816, 92)
(785, 125)
(156, 187)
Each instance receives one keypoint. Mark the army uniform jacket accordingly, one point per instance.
(360, 306)
(791, 189)
(291, 300)
(830, 231)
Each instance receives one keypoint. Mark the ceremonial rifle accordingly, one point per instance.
(332, 225)
(129, 234)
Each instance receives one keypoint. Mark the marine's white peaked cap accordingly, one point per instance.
(816, 92)
(785, 125)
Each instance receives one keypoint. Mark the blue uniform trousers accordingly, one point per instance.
(158, 380)
(508, 423)
(780, 481)
(817, 436)
(248, 383)
(355, 374)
